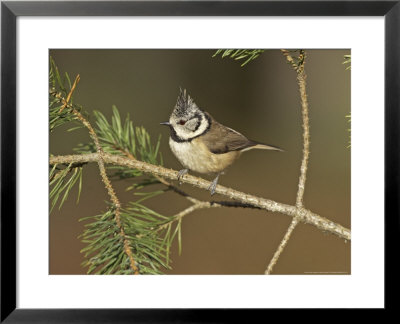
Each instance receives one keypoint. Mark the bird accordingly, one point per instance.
(202, 144)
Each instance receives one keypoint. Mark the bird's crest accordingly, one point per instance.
(184, 104)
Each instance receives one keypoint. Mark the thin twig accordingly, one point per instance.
(307, 216)
(282, 245)
(70, 93)
(301, 80)
(105, 179)
(190, 209)
(198, 204)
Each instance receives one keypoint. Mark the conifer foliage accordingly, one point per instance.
(131, 239)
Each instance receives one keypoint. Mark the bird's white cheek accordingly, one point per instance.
(183, 133)
(202, 128)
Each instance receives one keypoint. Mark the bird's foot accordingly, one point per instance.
(213, 185)
(181, 173)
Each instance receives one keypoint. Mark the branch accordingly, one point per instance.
(301, 80)
(198, 204)
(190, 209)
(104, 177)
(281, 246)
(305, 215)
(186, 195)
(70, 93)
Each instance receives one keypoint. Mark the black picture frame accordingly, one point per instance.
(10, 10)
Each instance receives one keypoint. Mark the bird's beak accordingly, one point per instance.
(165, 123)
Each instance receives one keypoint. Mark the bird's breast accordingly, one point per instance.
(195, 155)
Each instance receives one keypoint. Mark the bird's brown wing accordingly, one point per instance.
(221, 139)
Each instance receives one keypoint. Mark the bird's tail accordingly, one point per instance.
(261, 146)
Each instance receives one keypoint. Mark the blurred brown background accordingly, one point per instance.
(260, 100)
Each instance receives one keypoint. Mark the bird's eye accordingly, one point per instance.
(182, 122)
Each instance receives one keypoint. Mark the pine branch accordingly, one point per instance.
(136, 247)
(245, 55)
(122, 138)
(70, 92)
(57, 114)
(105, 250)
(347, 60)
(306, 216)
(297, 63)
(103, 174)
(62, 181)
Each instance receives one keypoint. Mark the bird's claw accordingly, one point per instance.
(213, 185)
(212, 188)
(181, 173)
